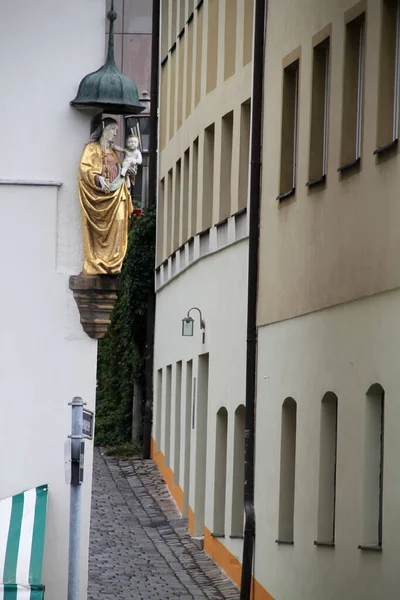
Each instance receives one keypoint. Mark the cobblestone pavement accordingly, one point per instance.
(139, 544)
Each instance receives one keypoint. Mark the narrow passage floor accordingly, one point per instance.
(139, 544)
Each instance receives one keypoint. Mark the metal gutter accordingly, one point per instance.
(251, 350)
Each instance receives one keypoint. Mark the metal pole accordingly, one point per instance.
(75, 501)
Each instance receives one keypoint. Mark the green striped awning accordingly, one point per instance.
(22, 527)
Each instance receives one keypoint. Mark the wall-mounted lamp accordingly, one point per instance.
(188, 324)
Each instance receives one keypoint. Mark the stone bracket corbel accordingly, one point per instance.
(95, 296)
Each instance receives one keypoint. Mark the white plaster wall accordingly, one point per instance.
(45, 358)
(217, 285)
(345, 350)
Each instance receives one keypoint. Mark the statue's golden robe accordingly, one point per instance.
(105, 216)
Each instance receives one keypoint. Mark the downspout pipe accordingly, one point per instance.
(251, 346)
(155, 61)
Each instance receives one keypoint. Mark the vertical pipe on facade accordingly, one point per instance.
(155, 60)
(251, 348)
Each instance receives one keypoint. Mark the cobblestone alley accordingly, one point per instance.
(140, 547)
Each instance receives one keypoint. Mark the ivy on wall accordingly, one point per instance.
(122, 351)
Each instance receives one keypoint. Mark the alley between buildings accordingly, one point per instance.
(139, 544)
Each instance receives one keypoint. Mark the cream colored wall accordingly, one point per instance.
(343, 349)
(337, 242)
(222, 301)
(46, 358)
(228, 95)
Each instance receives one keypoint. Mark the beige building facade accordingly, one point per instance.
(327, 409)
(326, 482)
(202, 243)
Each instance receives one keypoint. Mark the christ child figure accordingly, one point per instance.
(132, 158)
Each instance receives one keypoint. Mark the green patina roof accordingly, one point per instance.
(107, 88)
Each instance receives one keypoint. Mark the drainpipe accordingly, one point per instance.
(251, 349)
(155, 60)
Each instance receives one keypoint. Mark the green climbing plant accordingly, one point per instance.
(122, 351)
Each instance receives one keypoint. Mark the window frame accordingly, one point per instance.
(358, 136)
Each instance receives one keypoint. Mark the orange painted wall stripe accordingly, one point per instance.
(168, 475)
(221, 555)
(214, 548)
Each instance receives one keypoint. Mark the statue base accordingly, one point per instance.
(95, 296)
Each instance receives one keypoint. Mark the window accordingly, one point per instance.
(212, 45)
(245, 153)
(178, 398)
(373, 468)
(208, 177)
(221, 441)
(189, 68)
(226, 166)
(180, 74)
(172, 94)
(167, 424)
(288, 471)
(201, 414)
(182, 15)
(238, 473)
(160, 222)
(319, 113)
(198, 55)
(389, 77)
(327, 471)
(230, 38)
(289, 130)
(353, 93)
(188, 421)
(248, 31)
(164, 28)
(195, 177)
(169, 213)
(185, 196)
(177, 205)
(159, 408)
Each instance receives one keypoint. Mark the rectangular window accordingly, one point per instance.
(164, 104)
(182, 15)
(159, 408)
(230, 38)
(185, 196)
(177, 205)
(189, 68)
(188, 420)
(212, 45)
(327, 471)
(373, 468)
(169, 214)
(319, 113)
(389, 77)
(178, 400)
(290, 107)
(195, 177)
(208, 177)
(248, 31)
(353, 85)
(174, 13)
(172, 93)
(226, 166)
(287, 472)
(160, 222)
(198, 55)
(180, 75)
(164, 28)
(167, 423)
(245, 153)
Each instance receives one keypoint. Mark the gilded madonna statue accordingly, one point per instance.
(105, 203)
